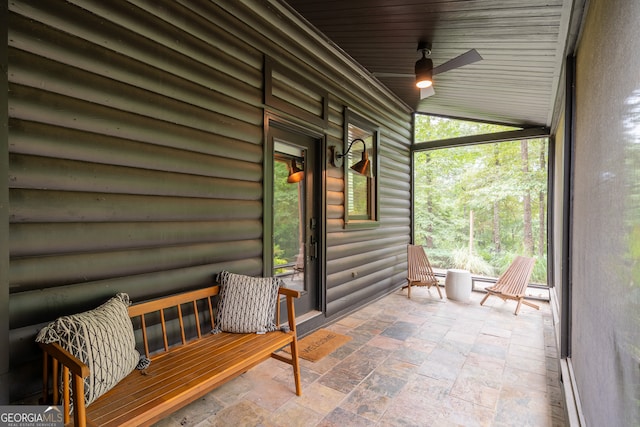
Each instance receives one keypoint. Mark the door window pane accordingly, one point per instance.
(288, 214)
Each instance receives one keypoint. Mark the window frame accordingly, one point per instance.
(372, 218)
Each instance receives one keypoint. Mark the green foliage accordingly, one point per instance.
(488, 179)
(502, 260)
(540, 270)
(433, 128)
(278, 260)
(357, 194)
(286, 232)
(462, 258)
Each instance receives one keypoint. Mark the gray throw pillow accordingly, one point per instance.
(246, 304)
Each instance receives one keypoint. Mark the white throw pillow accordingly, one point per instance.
(102, 338)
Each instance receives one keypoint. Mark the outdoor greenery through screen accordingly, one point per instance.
(476, 207)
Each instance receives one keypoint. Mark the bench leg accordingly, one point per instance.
(408, 286)
(295, 363)
(79, 411)
(45, 378)
(65, 394)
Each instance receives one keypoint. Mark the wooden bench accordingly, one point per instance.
(179, 372)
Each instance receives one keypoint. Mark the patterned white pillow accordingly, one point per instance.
(102, 338)
(246, 304)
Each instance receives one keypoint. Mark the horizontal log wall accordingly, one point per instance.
(136, 155)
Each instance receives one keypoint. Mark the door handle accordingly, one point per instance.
(314, 248)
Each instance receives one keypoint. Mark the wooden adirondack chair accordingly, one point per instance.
(419, 271)
(512, 284)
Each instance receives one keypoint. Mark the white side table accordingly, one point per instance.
(457, 284)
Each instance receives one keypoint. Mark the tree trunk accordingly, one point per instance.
(429, 237)
(527, 227)
(430, 214)
(497, 243)
(541, 209)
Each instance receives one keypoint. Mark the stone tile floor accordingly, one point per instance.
(418, 362)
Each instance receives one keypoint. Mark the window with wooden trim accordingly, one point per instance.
(362, 208)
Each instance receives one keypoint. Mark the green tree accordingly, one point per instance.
(527, 230)
(286, 230)
(492, 180)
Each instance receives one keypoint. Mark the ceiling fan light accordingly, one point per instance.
(424, 83)
(423, 69)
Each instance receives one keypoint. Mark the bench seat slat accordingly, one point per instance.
(167, 368)
(211, 354)
(177, 376)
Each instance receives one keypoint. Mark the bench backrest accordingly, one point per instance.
(188, 308)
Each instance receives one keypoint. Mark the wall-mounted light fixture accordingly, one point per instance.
(363, 167)
(295, 174)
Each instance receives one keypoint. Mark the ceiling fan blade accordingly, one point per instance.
(427, 92)
(466, 58)
(377, 74)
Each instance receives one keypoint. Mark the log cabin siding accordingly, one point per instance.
(136, 156)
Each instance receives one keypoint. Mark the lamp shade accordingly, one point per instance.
(363, 167)
(424, 69)
(295, 173)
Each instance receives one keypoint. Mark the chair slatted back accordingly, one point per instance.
(419, 268)
(515, 279)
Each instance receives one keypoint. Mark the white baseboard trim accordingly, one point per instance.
(572, 406)
(555, 313)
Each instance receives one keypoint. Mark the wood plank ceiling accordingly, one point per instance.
(522, 43)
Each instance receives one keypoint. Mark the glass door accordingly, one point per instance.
(295, 231)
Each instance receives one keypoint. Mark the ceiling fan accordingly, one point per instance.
(424, 70)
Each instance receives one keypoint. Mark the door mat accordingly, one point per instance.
(320, 343)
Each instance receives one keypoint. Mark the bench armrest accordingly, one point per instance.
(290, 294)
(67, 359)
(79, 372)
